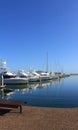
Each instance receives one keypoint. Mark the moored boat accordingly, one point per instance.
(15, 80)
(9, 77)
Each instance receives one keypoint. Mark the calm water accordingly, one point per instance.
(63, 93)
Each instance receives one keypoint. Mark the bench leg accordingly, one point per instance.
(20, 108)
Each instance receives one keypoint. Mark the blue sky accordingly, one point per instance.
(29, 29)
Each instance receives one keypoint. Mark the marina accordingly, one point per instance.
(38, 65)
(38, 88)
(25, 77)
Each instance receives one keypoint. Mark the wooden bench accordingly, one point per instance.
(11, 104)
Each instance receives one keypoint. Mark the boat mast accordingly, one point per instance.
(47, 62)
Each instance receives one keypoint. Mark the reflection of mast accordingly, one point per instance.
(47, 62)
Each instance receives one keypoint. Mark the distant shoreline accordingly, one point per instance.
(74, 74)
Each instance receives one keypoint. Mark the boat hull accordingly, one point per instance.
(15, 81)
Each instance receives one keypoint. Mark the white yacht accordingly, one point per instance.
(15, 80)
(42, 75)
(9, 77)
(21, 73)
(33, 77)
(29, 75)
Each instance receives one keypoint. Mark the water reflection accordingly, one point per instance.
(58, 93)
(29, 88)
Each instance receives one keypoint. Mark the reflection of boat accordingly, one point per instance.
(44, 84)
(27, 90)
(34, 86)
(5, 92)
(8, 90)
(16, 86)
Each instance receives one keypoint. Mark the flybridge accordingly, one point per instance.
(3, 66)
